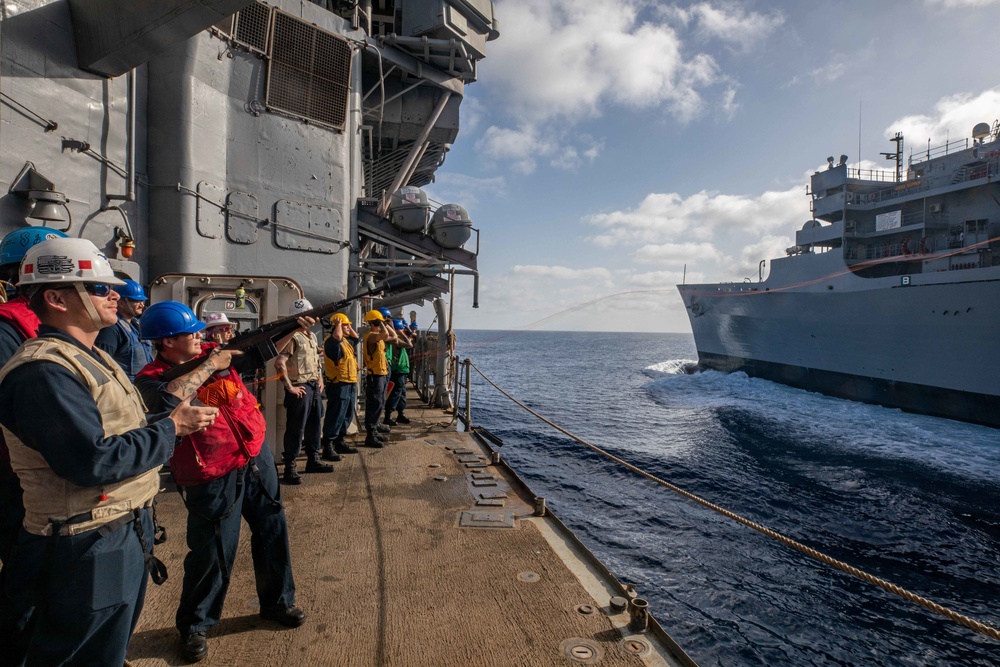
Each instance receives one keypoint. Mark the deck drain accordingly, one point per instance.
(581, 650)
(441, 478)
(434, 465)
(530, 577)
(586, 609)
(636, 646)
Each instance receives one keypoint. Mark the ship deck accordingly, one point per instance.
(389, 574)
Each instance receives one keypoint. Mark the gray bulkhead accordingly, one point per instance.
(294, 184)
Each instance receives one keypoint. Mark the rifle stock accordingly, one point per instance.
(258, 345)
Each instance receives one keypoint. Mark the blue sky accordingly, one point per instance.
(609, 143)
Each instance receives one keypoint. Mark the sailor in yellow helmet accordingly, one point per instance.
(87, 460)
(341, 369)
(377, 378)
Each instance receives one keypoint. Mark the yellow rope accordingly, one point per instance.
(972, 624)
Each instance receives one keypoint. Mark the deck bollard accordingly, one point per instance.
(639, 613)
(539, 506)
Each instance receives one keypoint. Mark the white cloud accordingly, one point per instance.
(670, 218)
(953, 118)
(451, 187)
(536, 271)
(954, 4)
(674, 253)
(730, 23)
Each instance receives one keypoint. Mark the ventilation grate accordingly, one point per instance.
(309, 72)
(251, 27)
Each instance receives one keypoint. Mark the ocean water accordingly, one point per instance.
(912, 499)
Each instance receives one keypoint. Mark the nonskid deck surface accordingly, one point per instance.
(388, 576)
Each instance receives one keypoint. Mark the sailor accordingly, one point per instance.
(218, 328)
(122, 340)
(377, 378)
(17, 324)
(398, 358)
(298, 365)
(87, 460)
(223, 472)
(340, 366)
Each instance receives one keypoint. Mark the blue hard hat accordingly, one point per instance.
(398, 325)
(413, 325)
(131, 290)
(385, 313)
(168, 318)
(16, 244)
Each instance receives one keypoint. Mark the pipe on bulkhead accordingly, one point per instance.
(130, 160)
(442, 392)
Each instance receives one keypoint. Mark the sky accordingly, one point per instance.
(612, 149)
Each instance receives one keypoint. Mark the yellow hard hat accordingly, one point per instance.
(341, 318)
(374, 316)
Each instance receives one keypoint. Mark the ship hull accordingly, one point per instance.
(925, 344)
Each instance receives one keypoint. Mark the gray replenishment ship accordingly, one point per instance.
(890, 294)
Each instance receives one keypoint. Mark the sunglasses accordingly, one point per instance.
(97, 289)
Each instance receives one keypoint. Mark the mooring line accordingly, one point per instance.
(971, 623)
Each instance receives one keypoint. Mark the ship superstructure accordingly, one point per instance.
(236, 155)
(888, 295)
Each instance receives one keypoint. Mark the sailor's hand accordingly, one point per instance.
(223, 358)
(307, 323)
(297, 392)
(190, 419)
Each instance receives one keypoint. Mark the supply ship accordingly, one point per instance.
(237, 156)
(888, 295)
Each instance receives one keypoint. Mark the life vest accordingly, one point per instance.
(303, 362)
(229, 443)
(18, 315)
(346, 370)
(375, 363)
(138, 354)
(49, 498)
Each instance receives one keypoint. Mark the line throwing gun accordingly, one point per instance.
(258, 345)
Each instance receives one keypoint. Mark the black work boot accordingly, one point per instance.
(402, 419)
(329, 451)
(389, 421)
(373, 440)
(341, 447)
(194, 648)
(291, 474)
(383, 428)
(315, 465)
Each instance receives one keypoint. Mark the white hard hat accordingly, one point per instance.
(216, 320)
(301, 306)
(68, 260)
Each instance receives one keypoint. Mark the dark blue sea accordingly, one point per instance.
(911, 499)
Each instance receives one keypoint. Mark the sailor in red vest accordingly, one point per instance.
(87, 460)
(17, 324)
(224, 472)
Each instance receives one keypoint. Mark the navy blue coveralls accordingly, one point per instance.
(87, 589)
(123, 343)
(341, 397)
(213, 524)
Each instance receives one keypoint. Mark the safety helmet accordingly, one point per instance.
(386, 314)
(131, 290)
(399, 325)
(15, 244)
(168, 318)
(66, 260)
(216, 320)
(301, 306)
(374, 316)
(340, 317)
(413, 325)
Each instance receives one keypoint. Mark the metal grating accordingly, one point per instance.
(251, 27)
(381, 171)
(309, 73)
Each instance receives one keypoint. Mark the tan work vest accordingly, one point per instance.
(346, 370)
(303, 358)
(48, 497)
(375, 363)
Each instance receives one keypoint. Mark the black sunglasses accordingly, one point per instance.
(97, 289)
